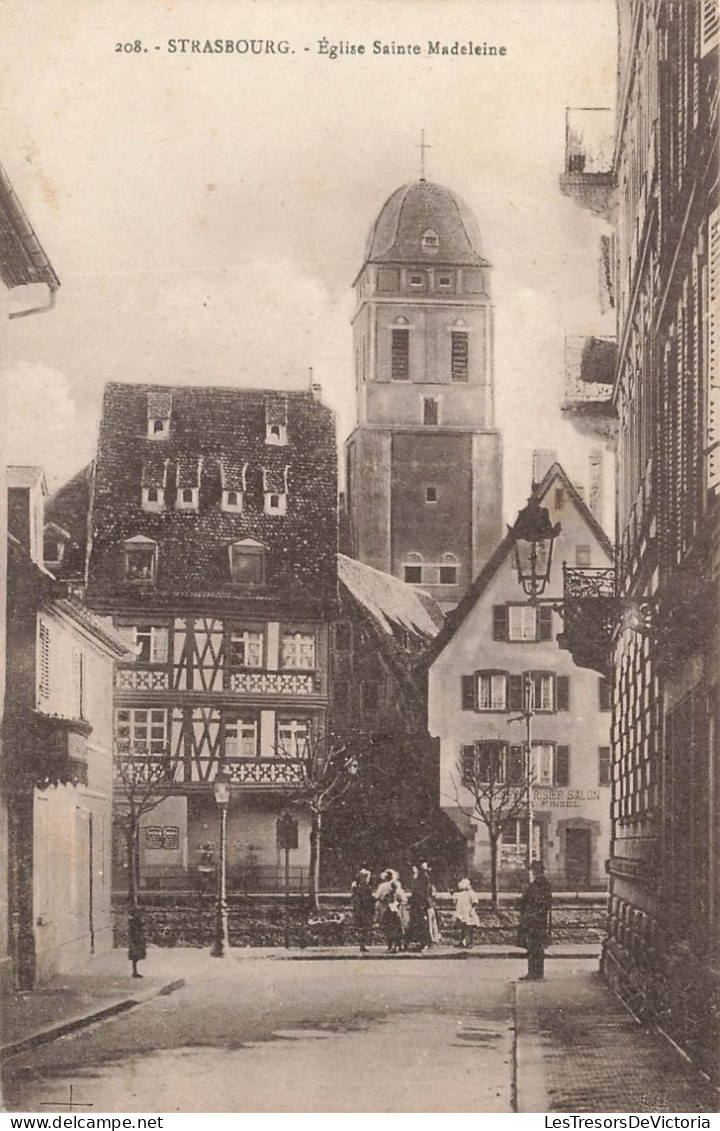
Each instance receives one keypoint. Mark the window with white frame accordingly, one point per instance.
(276, 434)
(150, 640)
(293, 737)
(544, 763)
(298, 650)
(491, 691)
(232, 501)
(246, 648)
(158, 427)
(187, 499)
(515, 834)
(522, 622)
(247, 562)
(541, 691)
(140, 559)
(141, 730)
(241, 738)
(153, 499)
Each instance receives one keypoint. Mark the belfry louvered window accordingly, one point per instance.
(459, 354)
(400, 361)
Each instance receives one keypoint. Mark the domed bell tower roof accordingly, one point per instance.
(425, 222)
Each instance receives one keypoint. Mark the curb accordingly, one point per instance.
(72, 1024)
(452, 956)
(530, 1087)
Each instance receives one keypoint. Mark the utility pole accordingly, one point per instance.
(527, 714)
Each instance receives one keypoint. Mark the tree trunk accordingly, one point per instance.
(314, 876)
(493, 870)
(133, 855)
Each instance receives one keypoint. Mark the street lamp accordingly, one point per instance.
(221, 792)
(533, 537)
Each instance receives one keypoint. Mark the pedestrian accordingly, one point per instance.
(466, 901)
(137, 949)
(388, 910)
(433, 925)
(363, 906)
(535, 922)
(419, 902)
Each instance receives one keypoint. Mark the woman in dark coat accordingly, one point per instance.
(136, 940)
(419, 903)
(535, 922)
(363, 906)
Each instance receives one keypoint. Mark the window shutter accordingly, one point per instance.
(562, 765)
(515, 765)
(562, 688)
(500, 622)
(544, 620)
(710, 25)
(468, 698)
(515, 693)
(713, 348)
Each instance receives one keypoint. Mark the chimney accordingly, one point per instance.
(595, 500)
(543, 459)
(27, 491)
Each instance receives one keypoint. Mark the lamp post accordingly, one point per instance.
(533, 536)
(221, 792)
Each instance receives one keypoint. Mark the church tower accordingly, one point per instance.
(424, 463)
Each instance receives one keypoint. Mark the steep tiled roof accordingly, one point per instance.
(68, 508)
(214, 433)
(22, 259)
(389, 600)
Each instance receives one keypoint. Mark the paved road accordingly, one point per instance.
(401, 1035)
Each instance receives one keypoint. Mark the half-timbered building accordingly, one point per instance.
(212, 534)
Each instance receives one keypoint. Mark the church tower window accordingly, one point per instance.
(431, 410)
(412, 569)
(448, 570)
(400, 362)
(430, 242)
(459, 355)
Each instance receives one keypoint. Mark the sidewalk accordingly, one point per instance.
(72, 1001)
(580, 1050)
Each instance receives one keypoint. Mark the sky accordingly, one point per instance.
(207, 213)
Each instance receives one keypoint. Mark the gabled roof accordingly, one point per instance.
(22, 259)
(503, 550)
(389, 600)
(558, 472)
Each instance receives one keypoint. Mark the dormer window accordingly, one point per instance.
(430, 242)
(140, 559)
(187, 496)
(154, 476)
(275, 490)
(276, 421)
(247, 562)
(232, 479)
(159, 409)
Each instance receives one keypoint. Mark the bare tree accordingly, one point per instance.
(498, 779)
(145, 778)
(324, 774)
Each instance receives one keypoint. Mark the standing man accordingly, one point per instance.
(363, 905)
(535, 921)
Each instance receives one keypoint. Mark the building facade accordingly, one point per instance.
(424, 463)
(57, 774)
(212, 537)
(658, 626)
(24, 269)
(497, 682)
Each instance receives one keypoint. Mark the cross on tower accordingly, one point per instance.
(422, 147)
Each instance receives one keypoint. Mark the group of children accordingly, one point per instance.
(407, 918)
